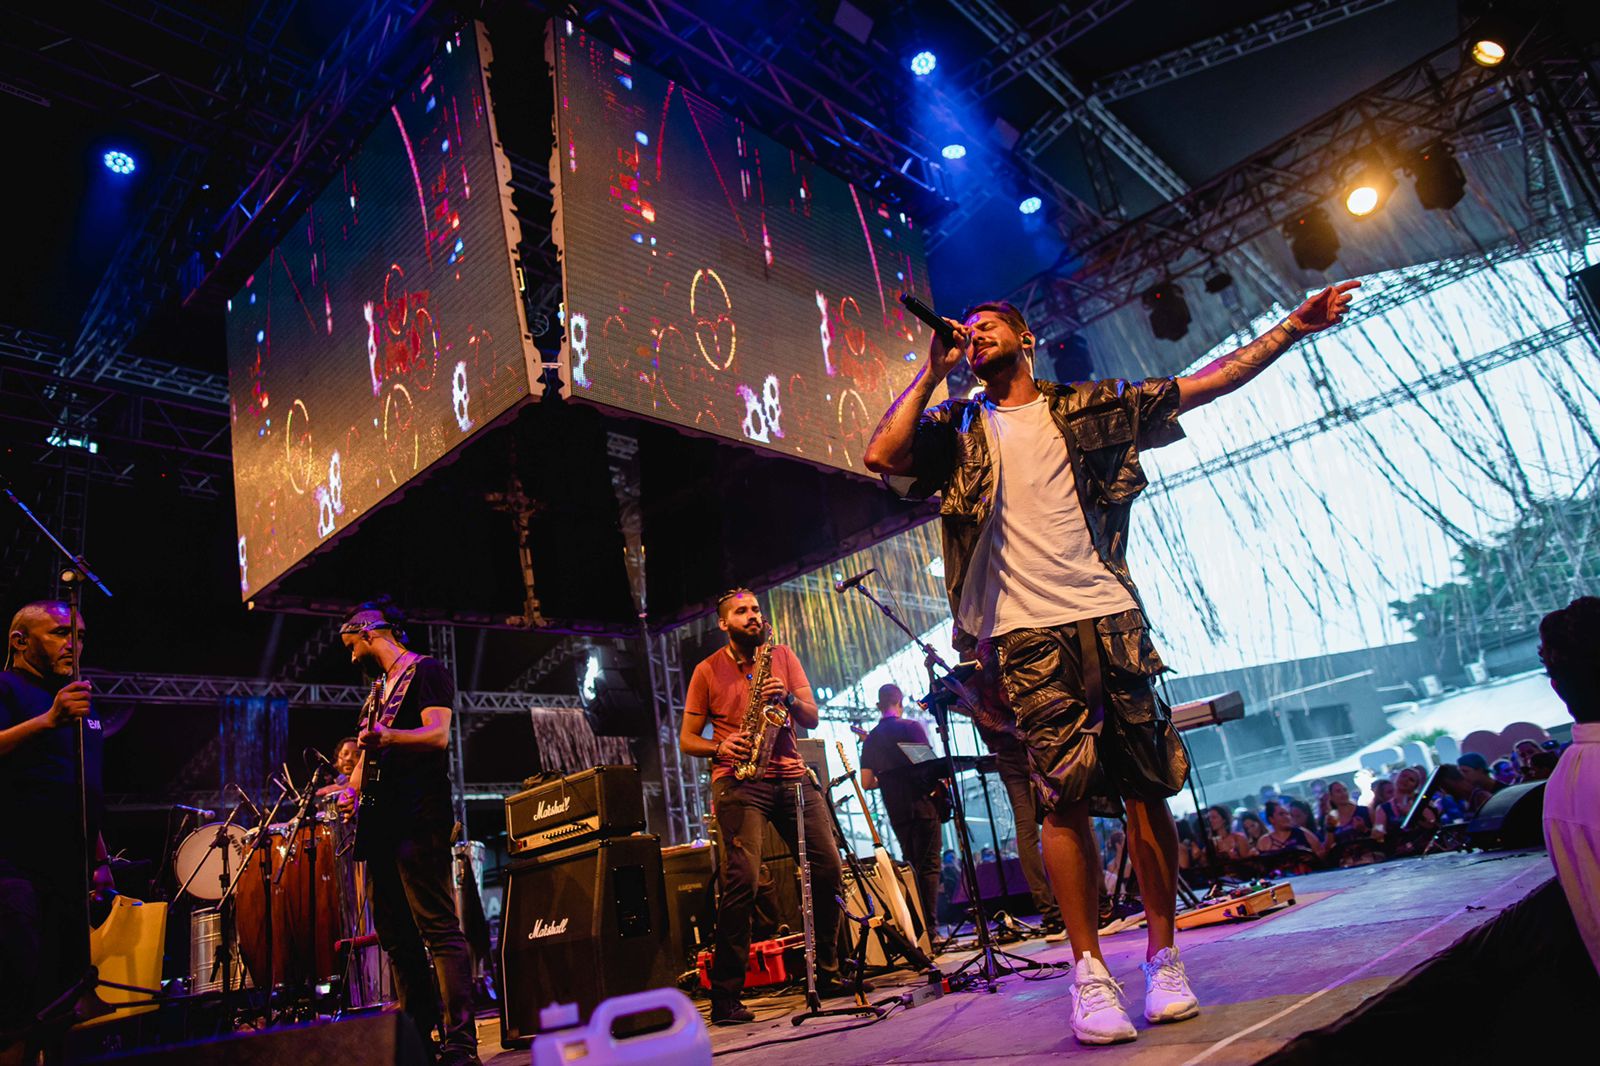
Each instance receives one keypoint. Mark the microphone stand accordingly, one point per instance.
(73, 576)
(944, 688)
(259, 844)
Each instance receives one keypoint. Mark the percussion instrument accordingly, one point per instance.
(199, 863)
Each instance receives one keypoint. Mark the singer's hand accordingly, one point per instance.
(942, 360)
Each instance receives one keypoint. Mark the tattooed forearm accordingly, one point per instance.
(1223, 375)
(889, 449)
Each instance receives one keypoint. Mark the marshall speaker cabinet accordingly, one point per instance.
(581, 925)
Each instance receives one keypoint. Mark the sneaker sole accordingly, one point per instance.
(1165, 1019)
(1100, 1039)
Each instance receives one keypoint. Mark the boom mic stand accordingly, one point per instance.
(944, 689)
(83, 1000)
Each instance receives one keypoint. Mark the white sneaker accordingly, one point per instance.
(1098, 1016)
(1167, 995)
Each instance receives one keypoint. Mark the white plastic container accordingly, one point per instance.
(686, 1041)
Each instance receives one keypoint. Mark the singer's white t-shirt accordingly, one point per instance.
(1035, 565)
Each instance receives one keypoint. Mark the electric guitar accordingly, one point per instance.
(893, 891)
(366, 777)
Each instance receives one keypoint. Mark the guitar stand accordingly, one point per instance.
(858, 959)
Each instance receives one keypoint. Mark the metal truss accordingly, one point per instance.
(176, 690)
(1017, 48)
(783, 103)
(681, 790)
(191, 441)
(1349, 414)
(1440, 96)
(126, 371)
(1225, 47)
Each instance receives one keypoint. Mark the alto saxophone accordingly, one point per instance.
(762, 719)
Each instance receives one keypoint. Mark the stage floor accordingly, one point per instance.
(1351, 935)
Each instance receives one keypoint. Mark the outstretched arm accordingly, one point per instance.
(889, 450)
(1228, 373)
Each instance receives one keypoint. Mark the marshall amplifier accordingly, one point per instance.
(580, 926)
(604, 802)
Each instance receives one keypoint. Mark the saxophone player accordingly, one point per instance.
(720, 695)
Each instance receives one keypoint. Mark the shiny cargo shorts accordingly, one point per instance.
(1126, 748)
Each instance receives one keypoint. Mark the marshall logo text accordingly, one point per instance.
(545, 810)
(542, 928)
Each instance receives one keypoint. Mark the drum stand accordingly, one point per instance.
(302, 1006)
(227, 942)
(228, 930)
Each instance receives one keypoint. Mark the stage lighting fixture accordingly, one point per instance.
(923, 62)
(1217, 279)
(1313, 240)
(1169, 311)
(954, 151)
(1369, 188)
(119, 162)
(1440, 182)
(1488, 52)
(1030, 205)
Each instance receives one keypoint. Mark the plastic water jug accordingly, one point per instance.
(685, 1041)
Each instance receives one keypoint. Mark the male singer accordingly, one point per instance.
(1037, 482)
(719, 693)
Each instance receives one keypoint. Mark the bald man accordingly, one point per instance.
(44, 937)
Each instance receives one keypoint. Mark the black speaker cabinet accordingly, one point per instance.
(580, 926)
(1513, 818)
(691, 900)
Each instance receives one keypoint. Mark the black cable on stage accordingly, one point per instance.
(812, 1034)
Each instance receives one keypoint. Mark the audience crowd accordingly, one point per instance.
(1335, 825)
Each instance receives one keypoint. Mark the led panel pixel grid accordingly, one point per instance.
(384, 330)
(714, 278)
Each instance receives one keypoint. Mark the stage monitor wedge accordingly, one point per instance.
(715, 279)
(385, 330)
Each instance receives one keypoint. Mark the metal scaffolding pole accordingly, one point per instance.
(442, 642)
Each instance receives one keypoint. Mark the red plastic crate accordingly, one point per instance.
(765, 966)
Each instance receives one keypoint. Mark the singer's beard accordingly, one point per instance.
(371, 668)
(747, 642)
(995, 366)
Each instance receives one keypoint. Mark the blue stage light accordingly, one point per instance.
(1030, 205)
(954, 151)
(119, 162)
(923, 62)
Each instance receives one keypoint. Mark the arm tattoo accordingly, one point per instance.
(1246, 362)
(894, 408)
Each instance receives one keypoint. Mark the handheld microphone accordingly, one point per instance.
(851, 582)
(930, 317)
(201, 811)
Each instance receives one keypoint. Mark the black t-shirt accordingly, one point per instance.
(904, 795)
(40, 833)
(414, 783)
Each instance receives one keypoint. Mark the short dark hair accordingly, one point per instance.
(1448, 772)
(390, 617)
(1568, 640)
(727, 597)
(1008, 311)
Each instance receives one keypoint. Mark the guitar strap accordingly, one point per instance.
(397, 695)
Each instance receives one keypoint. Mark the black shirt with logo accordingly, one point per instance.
(40, 832)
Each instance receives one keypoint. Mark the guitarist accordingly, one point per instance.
(913, 814)
(402, 780)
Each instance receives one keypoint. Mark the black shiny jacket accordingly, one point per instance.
(1105, 425)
